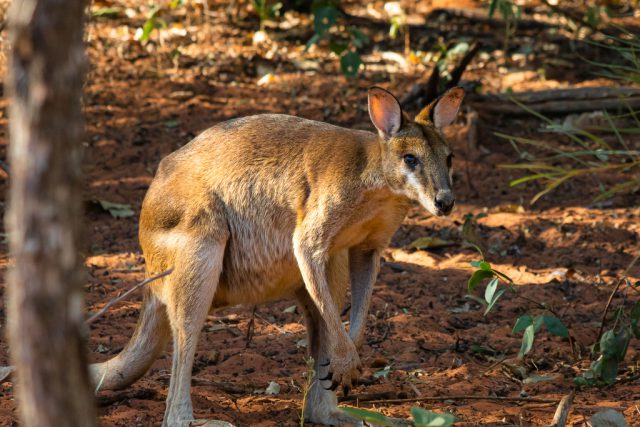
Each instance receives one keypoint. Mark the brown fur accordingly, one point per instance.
(267, 207)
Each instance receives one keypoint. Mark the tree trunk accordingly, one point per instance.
(45, 300)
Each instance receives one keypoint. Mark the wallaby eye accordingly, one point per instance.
(449, 160)
(410, 160)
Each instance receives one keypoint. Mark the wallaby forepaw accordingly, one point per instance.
(342, 371)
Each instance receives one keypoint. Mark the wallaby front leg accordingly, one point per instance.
(364, 265)
(344, 363)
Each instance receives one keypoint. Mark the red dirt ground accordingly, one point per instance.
(141, 103)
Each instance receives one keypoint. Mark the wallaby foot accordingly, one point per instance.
(322, 408)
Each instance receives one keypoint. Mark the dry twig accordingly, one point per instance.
(126, 294)
(562, 412)
(613, 293)
(455, 397)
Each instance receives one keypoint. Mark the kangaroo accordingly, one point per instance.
(270, 206)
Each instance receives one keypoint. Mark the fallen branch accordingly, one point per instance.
(558, 101)
(455, 397)
(126, 294)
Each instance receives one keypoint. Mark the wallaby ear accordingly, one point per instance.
(447, 106)
(385, 111)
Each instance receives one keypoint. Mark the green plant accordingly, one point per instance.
(529, 325)
(626, 50)
(611, 347)
(398, 23)
(510, 14)
(266, 11)
(344, 44)
(605, 147)
(420, 417)
(526, 323)
(154, 21)
(492, 293)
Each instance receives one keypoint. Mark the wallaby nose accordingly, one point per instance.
(445, 201)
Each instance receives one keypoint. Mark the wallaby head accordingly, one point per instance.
(416, 159)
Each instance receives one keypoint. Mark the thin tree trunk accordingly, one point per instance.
(45, 300)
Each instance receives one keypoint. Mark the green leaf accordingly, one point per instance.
(614, 345)
(172, 123)
(116, 210)
(522, 323)
(383, 373)
(490, 290)
(423, 418)
(358, 37)
(555, 326)
(494, 300)
(476, 264)
(527, 341)
(324, 18)
(147, 28)
(537, 322)
(350, 63)
(492, 7)
(106, 12)
(313, 40)
(609, 370)
(367, 416)
(477, 277)
(338, 47)
(483, 265)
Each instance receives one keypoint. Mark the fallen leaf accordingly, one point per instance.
(430, 243)
(273, 388)
(291, 309)
(117, 210)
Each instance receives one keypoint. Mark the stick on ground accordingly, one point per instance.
(562, 412)
(116, 300)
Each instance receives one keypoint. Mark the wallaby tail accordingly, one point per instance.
(149, 339)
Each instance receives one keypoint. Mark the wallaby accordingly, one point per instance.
(270, 206)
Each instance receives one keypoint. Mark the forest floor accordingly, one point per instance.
(425, 337)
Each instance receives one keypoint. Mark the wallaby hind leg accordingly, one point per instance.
(191, 289)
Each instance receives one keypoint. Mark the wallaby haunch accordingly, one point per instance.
(270, 206)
